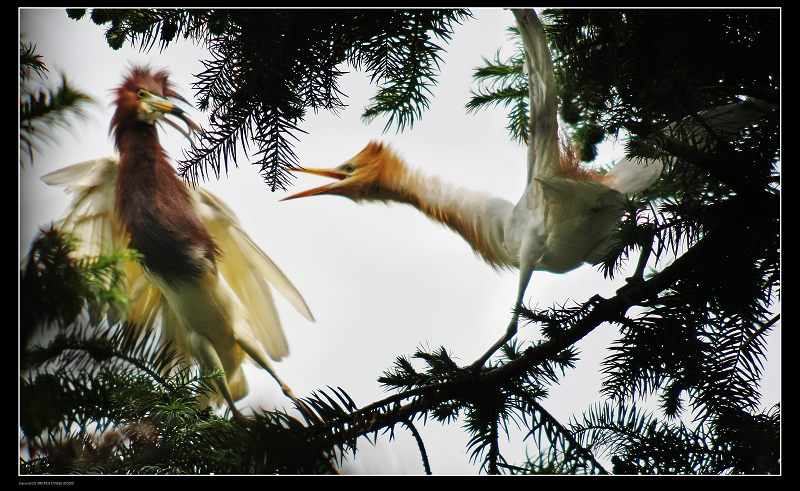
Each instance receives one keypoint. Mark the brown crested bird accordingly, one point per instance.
(201, 274)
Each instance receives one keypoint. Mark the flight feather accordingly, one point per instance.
(91, 218)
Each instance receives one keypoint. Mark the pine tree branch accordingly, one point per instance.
(583, 451)
(760, 331)
(99, 349)
(259, 86)
(389, 411)
(494, 450)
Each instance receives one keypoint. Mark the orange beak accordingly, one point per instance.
(326, 189)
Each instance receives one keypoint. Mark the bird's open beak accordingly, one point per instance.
(165, 106)
(326, 189)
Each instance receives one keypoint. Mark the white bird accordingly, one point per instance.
(564, 218)
(202, 276)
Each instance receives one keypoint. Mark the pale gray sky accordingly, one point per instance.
(381, 280)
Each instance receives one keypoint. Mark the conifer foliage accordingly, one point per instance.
(42, 106)
(697, 89)
(267, 67)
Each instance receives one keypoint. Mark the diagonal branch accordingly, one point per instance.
(760, 331)
(390, 411)
(584, 452)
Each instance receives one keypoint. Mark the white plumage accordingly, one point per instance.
(566, 215)
(564, 218)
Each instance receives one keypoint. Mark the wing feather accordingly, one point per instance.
(91, 218)
(543, 146)
(249, 272)
(724, 122)
(145, 298)
(92, 221)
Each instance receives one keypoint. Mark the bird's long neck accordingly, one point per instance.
(156, 209)
(477, 217)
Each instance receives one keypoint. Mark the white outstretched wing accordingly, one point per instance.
(703, 132)
(91, 218)
(718, 123)
(543, 145)
(249, 272)
(544, 161)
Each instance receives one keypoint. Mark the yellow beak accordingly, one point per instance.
(164, 106)
(326, 189)
(159, 104)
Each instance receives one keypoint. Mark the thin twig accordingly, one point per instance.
(760, 331)
(494, 448)
(141, 366)
(585, 453)
(420, 444)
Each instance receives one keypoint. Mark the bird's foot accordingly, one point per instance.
(478, 364)
(511, 331)
(239, 417)
(310, 415)
(301, 406)
(630, 283)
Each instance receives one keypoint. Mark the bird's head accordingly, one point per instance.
(373, 174)
(147, 96)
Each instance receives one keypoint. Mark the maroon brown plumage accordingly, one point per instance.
(212, 309)
(152, 202)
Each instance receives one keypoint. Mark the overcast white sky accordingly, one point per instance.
(381, 280)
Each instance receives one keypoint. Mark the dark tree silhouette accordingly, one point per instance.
(691, 332)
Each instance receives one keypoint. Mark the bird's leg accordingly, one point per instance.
(644, 256)
(251, 347)
(638, 275)
(208, 358)
(511, 330)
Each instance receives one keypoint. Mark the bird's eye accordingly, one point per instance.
(348, 168)
(141, 93)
